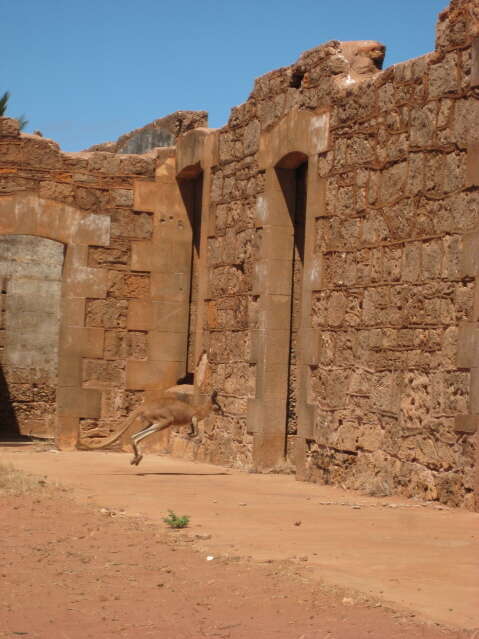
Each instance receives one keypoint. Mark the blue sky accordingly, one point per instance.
(86, 72)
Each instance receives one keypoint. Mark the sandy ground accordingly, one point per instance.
(290, 559)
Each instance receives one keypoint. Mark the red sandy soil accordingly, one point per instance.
(70, 570)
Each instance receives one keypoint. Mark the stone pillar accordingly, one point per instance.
(299, 137)
(168, 257)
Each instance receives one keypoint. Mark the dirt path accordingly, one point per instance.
(419, 558)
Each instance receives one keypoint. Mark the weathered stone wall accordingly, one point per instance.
(349, 354)
(60, 195)
(390, 397)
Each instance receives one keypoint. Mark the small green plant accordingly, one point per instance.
(173, 521)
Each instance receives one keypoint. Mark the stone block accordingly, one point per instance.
(277, 242)
(269, 436)
(122, 197)
(443, 76)
(272, 380)
(468, 345)
(393, 182)
(190, 152)
(469, 266)
(140, 315)
(128, 285)
(69, 370)
(301, 130)
(123, 345)
(473, 391)
(84, 281)
(91, 198)
(146, 195)
(272, 277)
(170, 316)
(475, 63)
(271, 207)
(84, 342)
(7, 216)
(100, 373)
(132, 224)
(67, 430)
(142, 256)
(115, 257)
(59, 191)
(306, 418)
(107, 313)
(165, 171)
(172, 287)
(253, 416)
(151, 375)
(472, 164)
(310, 346)
(92, 229)
(9, 128)
(166, 255)
(269, 346)
(167, 346)
(466, 424)
(274, 313)
(78, 402)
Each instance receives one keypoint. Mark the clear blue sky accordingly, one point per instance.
(87, 71)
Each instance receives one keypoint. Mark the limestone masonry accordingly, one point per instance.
(322, 248)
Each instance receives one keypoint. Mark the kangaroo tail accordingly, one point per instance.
(116, 436)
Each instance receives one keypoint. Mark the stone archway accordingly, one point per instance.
(27, 214)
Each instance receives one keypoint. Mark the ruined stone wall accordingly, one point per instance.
(391, 398)
(159, 133)
(46, 193)
(388, 386)
(351, 357)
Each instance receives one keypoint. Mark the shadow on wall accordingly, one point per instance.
(9, 428)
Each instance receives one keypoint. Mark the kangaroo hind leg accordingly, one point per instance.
(149, 430)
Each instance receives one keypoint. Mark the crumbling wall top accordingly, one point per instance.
(159, 133)
(457, 24)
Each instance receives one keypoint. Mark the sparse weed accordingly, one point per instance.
(173, 521)
(17, 482)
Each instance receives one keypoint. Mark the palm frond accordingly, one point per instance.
(3, 102)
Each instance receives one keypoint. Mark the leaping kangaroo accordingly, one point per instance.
(175, 407)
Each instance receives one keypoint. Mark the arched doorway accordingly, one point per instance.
(292, 174)
(31, 301)
(283, 342)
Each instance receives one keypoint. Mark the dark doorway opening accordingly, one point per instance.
(292, 174)
(9, 427)
(192, 193)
